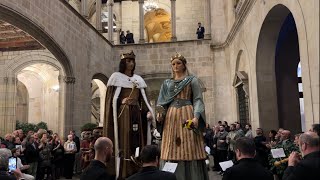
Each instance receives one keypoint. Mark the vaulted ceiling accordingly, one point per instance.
(15, 39)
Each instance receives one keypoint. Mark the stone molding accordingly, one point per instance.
(242, 15)
(69, 80)
(239, 6)
(241, 77)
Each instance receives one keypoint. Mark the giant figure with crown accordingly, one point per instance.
(181, 110)
(124, 123)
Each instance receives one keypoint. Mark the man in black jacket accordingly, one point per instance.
(247, 167)
(97, 169)
(200, 31)
(129, 37)
(309, 166)
(150, 158)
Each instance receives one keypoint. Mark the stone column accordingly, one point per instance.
(110, 20)
(118, 31)
(141, 22)
(69, 104)
(98, 16)
(173, 20)
(207, 19)
(7, 97)
(84, 8)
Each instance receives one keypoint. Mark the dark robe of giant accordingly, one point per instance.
(132, 128)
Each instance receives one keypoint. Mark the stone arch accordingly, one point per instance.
(101, 77)
(154, 82)
(22, 22)
(17, 19)
(265, 62)
(30, 58)
(98, 104)
(238, 60)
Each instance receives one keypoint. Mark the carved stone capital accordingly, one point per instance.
(69, 80)
(110, 3)
(5, 79)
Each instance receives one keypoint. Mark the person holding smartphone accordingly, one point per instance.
(14, 173)
(16, 153)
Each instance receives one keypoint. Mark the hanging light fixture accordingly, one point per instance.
(150, 5)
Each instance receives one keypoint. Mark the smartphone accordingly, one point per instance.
(12, 164)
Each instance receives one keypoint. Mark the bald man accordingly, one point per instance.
(285, 137)
(309, 166)
(97, 169)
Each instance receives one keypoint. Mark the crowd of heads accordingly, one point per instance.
(233, 142)
(41, 147)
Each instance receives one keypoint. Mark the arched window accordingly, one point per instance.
(241, 87)
(105, 19)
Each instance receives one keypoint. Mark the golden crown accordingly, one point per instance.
(178, 56)
(130, 55)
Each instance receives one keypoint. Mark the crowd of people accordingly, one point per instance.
(222, 139)
(43, 154)
(180, 114)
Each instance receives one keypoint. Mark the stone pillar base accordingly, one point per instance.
(142, 41)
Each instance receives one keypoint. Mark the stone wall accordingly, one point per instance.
(306, 15)
(153, 63)
(80, 49)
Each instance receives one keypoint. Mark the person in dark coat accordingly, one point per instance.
(208, 137)
(129, 37)
(247, 167)
(150, 155)
(200, 31)
(32, 155)
(97, 169)
(122, 38)
(309, 166)
(261, 149)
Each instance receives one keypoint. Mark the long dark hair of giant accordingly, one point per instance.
(123, 64)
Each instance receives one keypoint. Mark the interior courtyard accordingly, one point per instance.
(258, 62)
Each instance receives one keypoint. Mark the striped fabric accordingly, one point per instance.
(179, 143)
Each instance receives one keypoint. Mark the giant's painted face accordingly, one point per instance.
(158, 25)
(87, 135)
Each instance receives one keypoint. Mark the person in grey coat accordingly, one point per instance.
(222, 146)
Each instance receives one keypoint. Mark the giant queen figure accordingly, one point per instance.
(181, 110)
